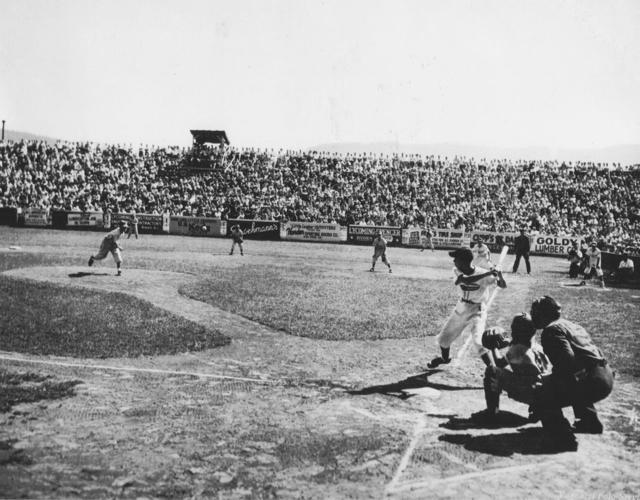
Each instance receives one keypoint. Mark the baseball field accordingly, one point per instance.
(289, 372)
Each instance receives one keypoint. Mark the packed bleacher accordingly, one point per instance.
(576, 199)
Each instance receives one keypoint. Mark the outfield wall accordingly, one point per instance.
(416, 237)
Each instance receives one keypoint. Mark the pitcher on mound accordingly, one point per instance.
(477, 285)
(110, 245)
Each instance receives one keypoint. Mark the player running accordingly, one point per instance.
(110, 244)
(379, 251)
(477, 285)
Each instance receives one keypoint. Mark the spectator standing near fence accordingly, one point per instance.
(625, 269)
(133, 228)
(522, 246)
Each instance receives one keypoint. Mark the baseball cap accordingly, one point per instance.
(464, 254)
(547, 305)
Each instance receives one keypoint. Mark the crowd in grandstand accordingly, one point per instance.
(578, 199)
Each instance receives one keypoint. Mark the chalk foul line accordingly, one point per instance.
(156, 371)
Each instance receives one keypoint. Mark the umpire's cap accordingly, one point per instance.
(545, 310)
(464, 254)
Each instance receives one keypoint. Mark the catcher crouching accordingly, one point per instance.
(110, 245)
(519, 373)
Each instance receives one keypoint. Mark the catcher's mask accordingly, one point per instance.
(522, 329)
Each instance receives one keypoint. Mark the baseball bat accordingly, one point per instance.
(467, 343)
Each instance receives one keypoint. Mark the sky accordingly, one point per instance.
(296, 73)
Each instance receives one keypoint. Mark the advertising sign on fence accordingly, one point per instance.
(364, 235)
(197, 226)
(544, 244)
(441, 238)
(91, 220)
(495, 240)
(36, 217)
(147, 223)
(256, 229)
(313, 231)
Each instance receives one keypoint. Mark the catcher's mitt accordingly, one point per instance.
(494, 338)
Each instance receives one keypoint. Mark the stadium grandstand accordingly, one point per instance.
(593, 201)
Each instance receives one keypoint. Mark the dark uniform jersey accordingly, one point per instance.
(569, 347)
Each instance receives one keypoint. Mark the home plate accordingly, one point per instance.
(15, 248)
(426, 392)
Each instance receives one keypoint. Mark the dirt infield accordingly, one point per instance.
(273, 415)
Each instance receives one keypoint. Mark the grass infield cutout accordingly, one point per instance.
(48, 319)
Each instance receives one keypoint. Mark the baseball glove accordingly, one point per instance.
(494, 338)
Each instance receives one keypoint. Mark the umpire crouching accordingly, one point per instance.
(579, 378)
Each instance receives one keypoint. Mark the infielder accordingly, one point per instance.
(594, 265)
(477, 285)
(110, 244)
(379, 251)
(482, 255)
(238, 237)
(133, 229)
(427, 239)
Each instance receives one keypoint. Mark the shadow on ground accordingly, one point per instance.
(506, 419)
(530, 441)
(82, 274)
(400, 389)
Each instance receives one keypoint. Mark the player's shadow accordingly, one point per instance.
(529, 441)
(82, 274)
(505, 419)
(400, 389)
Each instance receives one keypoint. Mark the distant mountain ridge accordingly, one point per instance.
(626, 154)
(14, 135)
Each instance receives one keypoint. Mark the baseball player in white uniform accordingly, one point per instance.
(110, 244)
(476, 285)
(379, 251)
(594, 264)
(482, 255)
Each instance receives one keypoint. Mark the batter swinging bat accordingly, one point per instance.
(465, 346)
